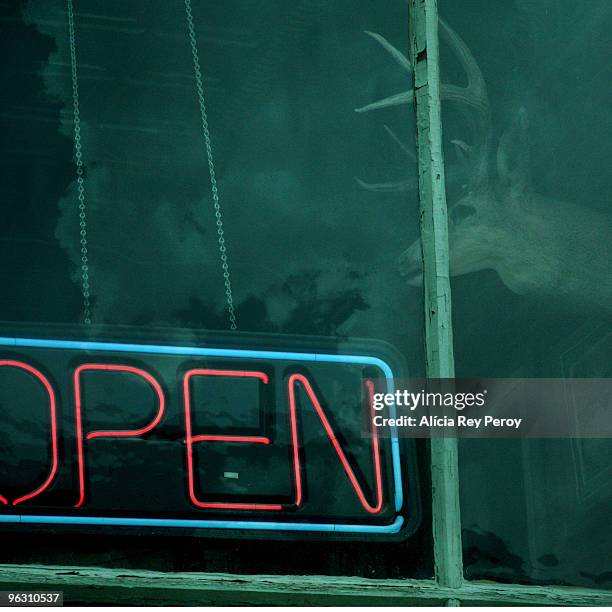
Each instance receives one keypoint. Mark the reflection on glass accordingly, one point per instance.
(530, 224)
(310, 249)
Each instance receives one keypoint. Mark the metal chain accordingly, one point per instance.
(78, 155)
(211, 166)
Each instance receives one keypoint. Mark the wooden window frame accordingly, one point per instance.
(448, 587)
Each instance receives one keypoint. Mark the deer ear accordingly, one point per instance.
(513, 154)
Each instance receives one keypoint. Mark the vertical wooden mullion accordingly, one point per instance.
(423, 15)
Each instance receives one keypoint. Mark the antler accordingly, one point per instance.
(405, 63)
(474, 95)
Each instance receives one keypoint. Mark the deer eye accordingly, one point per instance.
(461, 212)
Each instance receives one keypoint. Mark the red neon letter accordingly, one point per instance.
(295, 378)
(134, 433)
(51, 393)
(190, 439)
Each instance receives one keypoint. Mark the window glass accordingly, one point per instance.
(530, 226)
(317, 203)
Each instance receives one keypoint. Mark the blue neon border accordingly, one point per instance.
(220, 524)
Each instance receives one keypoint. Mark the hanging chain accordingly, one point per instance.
(78, 155)
(211, 166)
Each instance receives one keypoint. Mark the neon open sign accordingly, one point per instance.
(100, 433)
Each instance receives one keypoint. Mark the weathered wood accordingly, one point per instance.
(432, 195)
(117, 586)
(424, 52)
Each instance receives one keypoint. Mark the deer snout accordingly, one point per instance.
(410, 265)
